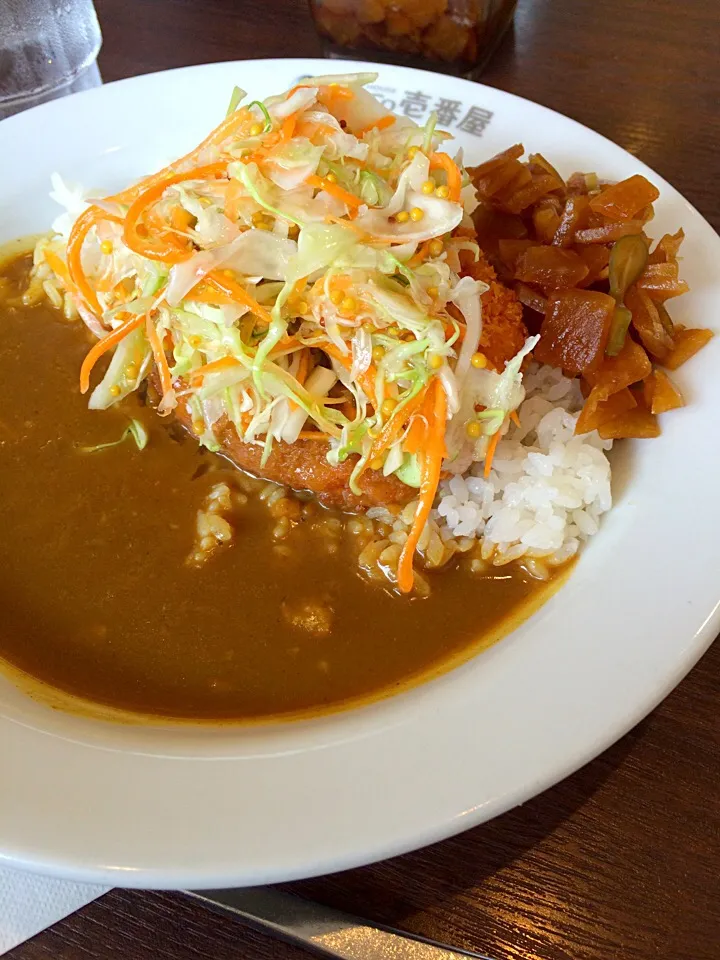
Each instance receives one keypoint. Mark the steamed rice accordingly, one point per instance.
(544, 496)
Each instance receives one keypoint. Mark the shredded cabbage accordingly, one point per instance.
(335, 284)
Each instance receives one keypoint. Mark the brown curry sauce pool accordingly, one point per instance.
(97, 597)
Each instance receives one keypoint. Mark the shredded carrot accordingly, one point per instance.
(515, 418)
(162, 248)
(391, 431)
(340, 92)
(180, 218)
(309, 129)
(366, 380)
(284, 345)
(82, 226)
(329, 218)
(102, 346)
(237, 293)
(159, 354)
(313, 435)
(349, 199)
(420, 256)
(304, 367)
(382, 124)
(215, 366)
(431, 467)
(452, 171)
(416, 434)
(225, 129)
(233, 195)
(59, 268)
(490, 455)
(302, 374)
(288, 127)
(207, 294)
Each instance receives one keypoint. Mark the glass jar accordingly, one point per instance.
(455, 36)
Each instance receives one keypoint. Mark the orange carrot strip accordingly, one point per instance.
(515, 418)
(416, 434)
(238, 293)
(394, 425)
(313, 435)
(167, 248)
(444, 162)
(382, 124)
(225, 129)
(180, 218)
(159, 354)
(59, 268)
(338, 91)
(102, 346)
(80, 229)
(233, 195)
(215, 366)
(431, 467)
(420, 256)
(490, 455)
(288, 127)
(310, 129)
(349, 199)
(329, 218)
(207, 294)
(303, 368)
(366, 380)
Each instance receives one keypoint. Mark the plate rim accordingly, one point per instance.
(209, 876)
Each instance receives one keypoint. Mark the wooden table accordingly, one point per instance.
(621, 860)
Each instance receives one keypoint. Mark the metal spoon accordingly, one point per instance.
(322, 929)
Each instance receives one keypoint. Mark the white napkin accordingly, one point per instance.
(30, 903)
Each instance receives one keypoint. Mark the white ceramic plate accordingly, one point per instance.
(179, 807)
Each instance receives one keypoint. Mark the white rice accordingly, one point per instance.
(547, 488)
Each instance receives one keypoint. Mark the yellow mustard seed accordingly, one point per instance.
(336, 297)
(413, 152)
(443, 192)
(378, 353)
(473, 429)
(435, 361)
(435, 247)
(131, 371)
(348, 304)
(115, 390)
(376, 464)
(194, 340)
(198, 426)
(402, 217)
(479, 361)
(432, 292)
(302, 306)
(428, 187)
(331, 177)
(106, 246)
(388, 406)
(416, 214)
(255, 130)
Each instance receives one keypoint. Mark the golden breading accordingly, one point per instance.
(503, 330)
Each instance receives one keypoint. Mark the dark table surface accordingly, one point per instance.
(620, 861)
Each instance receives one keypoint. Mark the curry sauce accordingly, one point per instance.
(98, 597)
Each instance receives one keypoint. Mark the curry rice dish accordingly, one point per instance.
(343, 411)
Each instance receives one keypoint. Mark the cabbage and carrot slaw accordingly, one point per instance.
(311, 240)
